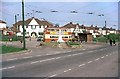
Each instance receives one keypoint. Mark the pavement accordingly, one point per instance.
(34, 50)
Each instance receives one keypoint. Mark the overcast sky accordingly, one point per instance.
(107, 7)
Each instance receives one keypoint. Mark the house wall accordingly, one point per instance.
(2, 25)
(89, 38)
(33, 27)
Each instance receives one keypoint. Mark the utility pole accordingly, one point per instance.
(16, 21)
(23, 23)
(106, 26)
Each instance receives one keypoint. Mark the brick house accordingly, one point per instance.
(79, 32)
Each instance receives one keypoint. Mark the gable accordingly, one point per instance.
(33, 22)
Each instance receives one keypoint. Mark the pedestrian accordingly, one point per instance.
(29, 38)
(114, 43)
(110, 42)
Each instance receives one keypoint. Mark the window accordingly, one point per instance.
(52, 29)
(39, 26)
(53, 36)
(40, 33)
(65, 37)
(33, 27)
(26, 26)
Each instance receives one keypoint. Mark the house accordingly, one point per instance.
(79, 31)
(33, 27)
(95, 31)
(3, 27)
(54, 34)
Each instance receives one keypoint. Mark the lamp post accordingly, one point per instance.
(23, 23)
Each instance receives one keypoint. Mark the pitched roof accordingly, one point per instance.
(2, 22)
(44, 22)
(70, 25)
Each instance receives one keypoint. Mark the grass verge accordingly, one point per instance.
(9, 49)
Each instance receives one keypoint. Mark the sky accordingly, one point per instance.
(109, 9)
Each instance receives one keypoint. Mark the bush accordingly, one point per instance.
(105, 38)
(100, 39)
(7, 38)
(72, 43)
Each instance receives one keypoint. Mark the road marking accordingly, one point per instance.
(106, 55)
(68, 51)
(67, 70)
(74, 54)
(53, 75)
(82, 65)
(58, 58)
(47, 59)
(97, 59)
(38, 55)
(80, 53)
(7, 68)
(48, 54)
(28, 57)
(12, 59)
(84, 49)
(69, 55)
(90, 61)
(56, 53)
(34, 62)
(101, 49)
(102, 57)
(111, 54)
(90, 51)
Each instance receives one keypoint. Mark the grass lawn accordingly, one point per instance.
(9, 49)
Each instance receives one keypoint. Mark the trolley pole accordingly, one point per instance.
(23, 23)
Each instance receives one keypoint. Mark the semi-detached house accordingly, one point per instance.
(33, 27)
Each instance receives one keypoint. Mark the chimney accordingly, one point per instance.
(70, 22)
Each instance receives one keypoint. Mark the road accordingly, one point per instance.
(99, 62)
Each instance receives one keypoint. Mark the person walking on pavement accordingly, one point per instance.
(110, 42)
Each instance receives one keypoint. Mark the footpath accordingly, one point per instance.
(33, 50)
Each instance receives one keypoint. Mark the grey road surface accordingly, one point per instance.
(99, 62)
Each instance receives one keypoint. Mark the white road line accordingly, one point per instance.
(67, 70)
(90, 51)
(102, 57)
(11, 67)
(48, 54)
(46, 59)
(58, 58)
(69, 55)
(28, 57)
(111, 54)
(68, 51)
(38, 55)
(101, 49)
(97, 59)
(53, 75)
(56, 53)
(106, 55)
(84, 49)
(12, 59)
(80, 53)
(7, 68)
(34, 62)
(90, 61)
(82, 65)
(74, 54)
